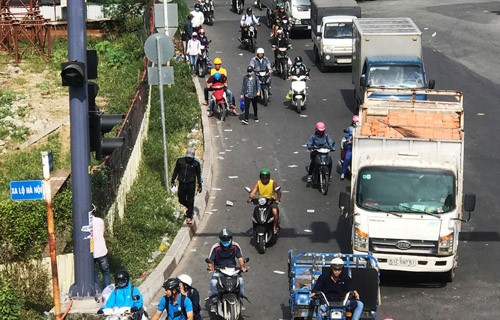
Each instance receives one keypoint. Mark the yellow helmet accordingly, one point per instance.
(217, 61)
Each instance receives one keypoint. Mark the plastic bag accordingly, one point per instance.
(242, 104)
(107, 292)
(174, 189)
(288, 95)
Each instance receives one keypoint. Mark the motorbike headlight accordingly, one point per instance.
(262, 201)
(446, 244)
(360, 240)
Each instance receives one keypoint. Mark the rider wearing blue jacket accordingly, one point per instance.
(125, 294)
(320, 139)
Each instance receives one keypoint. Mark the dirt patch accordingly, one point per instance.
(40, 96)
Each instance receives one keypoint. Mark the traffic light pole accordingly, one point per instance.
(79, 123)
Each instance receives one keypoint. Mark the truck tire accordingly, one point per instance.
(450, 275)
(316, 54)
(321, 65)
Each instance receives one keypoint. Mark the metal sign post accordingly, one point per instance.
(159, 49)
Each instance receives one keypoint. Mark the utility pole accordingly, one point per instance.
(84, 285)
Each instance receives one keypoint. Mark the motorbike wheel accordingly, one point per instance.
(265, 97)
(283, 70)
(323, 182)
(299, 106)
(261, 245)
(233, 313)
(251, 46)
(223, 112)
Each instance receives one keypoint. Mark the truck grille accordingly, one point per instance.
(403, 246)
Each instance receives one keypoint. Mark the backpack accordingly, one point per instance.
(196, 304)
(183, 307)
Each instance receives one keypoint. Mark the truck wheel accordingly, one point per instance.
(316, 54)
(450, 275)
(321, 65)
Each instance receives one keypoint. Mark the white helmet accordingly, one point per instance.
(260, 50)
(184, 278)
(337, 263)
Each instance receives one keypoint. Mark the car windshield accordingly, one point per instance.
(338, 30)
(300, 3)
(406, 190)
(391, 76)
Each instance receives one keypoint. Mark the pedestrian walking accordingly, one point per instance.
(100, 251)
(188, 31)
(250, 91)
(187, 171)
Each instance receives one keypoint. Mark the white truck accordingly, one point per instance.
(299, 12)
(387, 54)
(406, 199)
(331, 26)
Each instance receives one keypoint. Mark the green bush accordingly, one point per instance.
(10, 302)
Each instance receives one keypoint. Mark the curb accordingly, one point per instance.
(152, 284)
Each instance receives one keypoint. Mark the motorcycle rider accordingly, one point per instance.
(320, 139)
(278, 20)
(261, 63)
(178, 306)
(215, 80)
(279, 42)
(335, 284)
(223, 71)
(265, 187)
(298, 68)
(346, 155)
(205, 42)
(225, 253)
(198, 17)
(124, 295)
(186, 287)
(248, 20)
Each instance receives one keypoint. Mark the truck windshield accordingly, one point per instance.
(338, 30)
(302, 3)
(396, 76)
(406, 190)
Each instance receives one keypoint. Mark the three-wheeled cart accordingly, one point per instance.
(305, 268)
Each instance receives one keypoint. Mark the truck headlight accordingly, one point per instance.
(445, 246)
(360, 240)
(328, 48)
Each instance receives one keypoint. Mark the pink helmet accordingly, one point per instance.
(355, 118)
(320, 126)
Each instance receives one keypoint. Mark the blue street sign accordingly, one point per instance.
(26, 190)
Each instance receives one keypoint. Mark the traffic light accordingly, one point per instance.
(73, 74)
(99, 124)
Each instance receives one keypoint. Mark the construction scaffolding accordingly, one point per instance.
(23, 28)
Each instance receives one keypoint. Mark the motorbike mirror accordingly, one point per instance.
(432, 84)
(278, 188)
(247, 259)
(248, 189)
(469, 202)
(208, 260)
(209, 41)
(362, 80)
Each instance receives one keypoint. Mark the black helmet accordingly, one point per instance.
(197, 6)
(298, 59)
(249, 69)
(171, 284)
(249, 10)
(122, 278)
(225, 235)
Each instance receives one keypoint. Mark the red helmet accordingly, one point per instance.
(320, 126)
(201, 31)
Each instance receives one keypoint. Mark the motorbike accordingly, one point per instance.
(282, 61)
(237, 6)
(264, 79)
(248, 38)
(263, 222)
(124, 313)
(208, 12)
(285, 27)
(336, 310)
(321, 173)
(202, 63)
(228, 292)
(298, 89)
(258, 4)
(219, 102)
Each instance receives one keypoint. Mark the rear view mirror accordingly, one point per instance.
(278, 188)
(432, 84)
(469, 202)
(248, 189)
(362, 80)
(247, 259)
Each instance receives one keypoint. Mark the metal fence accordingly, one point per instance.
(116, 163)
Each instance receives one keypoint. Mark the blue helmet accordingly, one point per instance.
(217, 76)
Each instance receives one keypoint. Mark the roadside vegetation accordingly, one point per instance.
(150, 214)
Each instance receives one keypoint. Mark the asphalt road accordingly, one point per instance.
(460, 53)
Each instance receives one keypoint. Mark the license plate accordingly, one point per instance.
(309, 27)
(402, 262)
(344, 60)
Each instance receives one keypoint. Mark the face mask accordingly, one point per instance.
(299, 64)
(225, 243)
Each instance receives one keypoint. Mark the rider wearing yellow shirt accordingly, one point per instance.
(266, 187)
(218, 68)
